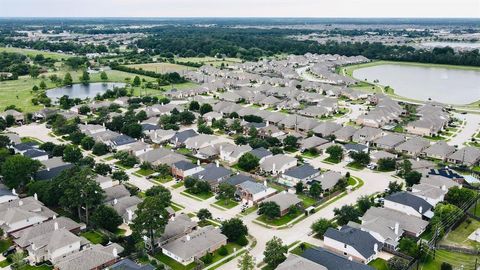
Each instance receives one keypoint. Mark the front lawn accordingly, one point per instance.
(331, 160)
(5, 244)
(226, 203)
(355, 166)
(301, 248)
(176, 207)
(281, 220)
(231, 247)
(145, 172)
(379, 264)
(184, 151)
(174, 265)
(201, 196)
(178, 185)
(351, 181)
(310, 154)
(120, 165)
(94, 237)
(307, 200)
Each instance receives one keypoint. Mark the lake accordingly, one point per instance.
(457, 45)
(451, 86)
(82, 91)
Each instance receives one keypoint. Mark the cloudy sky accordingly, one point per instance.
(240, 8)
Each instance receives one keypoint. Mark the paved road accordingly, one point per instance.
(471, 127)
(38, 131)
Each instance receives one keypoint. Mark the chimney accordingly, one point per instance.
(48, 169)
(155, 134)
(189, 237)
(115, 201)
(420, 210)
(33, 246)
(375, 247)
(444, 188)
(14, 192)
(130, 215)
(115, 252)
(274, 167)
(397, 227)
(35, 196)
(265, 183)
(103, 124)
(198, 162)
(350, 258)
(55, 226)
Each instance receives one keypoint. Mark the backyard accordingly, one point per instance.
(459, 236)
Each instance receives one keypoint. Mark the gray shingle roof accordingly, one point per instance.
(332, 261)
(408, 199)
(302, 172)
(361, 241)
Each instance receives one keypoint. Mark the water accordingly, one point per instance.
(451, 86)
(82, 91)
(456, 45)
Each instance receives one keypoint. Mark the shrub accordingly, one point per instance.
(223, 251)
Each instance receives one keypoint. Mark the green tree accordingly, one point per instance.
(360, 158)
(103, 76)
(412, 178)
(43, 85)
(335, 152)
(205, 108)
(394, 186)
(290, 142)
(386, 164)
(18, 170)
(194, 106)
(460, 196)
(346, 213)
(252, 132)
(408, 246)
(274, 253)
(67, 79)
(234, 229)
(270, 209)
(445, 214)
(103, 169)
(397, 263)
(107, 218)
(203, 214)
(299, 188)
(225, 192)
(87, 143)
(120, 176)
(84, 110)
(72, 154)
(364, 203)
(404, 168)
(315, 190)
(151, 219)
(136, 81)
(321, 226)
(85, 78)
(248, 162)
(160, 192)
(236, 126)
(99, 149)
(246, 262)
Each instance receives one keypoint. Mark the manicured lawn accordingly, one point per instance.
(227, 203)
(309, 154)
(459, 236)
(119, 164)
(94, 237)
(184, 151)
(457, 260)
(5, 244)
(174, 265)
(4, 263)
(177, 207)
(201, 196)
(178, 185)
(145, 172)
(436, 138)
(298, 250)
(231, 247)
(281, 220)
(161, 67)
(379, 264)
(164, 179)
(276, 186)
(331, 160)
(475, 211)
(355, 166)
(207, 222)
(32, 53)
(307, 200)
(249, 210)
(351, 181)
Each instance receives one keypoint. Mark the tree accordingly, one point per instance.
(412, 178)
(460, 196)
(404, 168)
(71, 154)
(394, 186)
(194, 106)
(136, 81)
(335, 152)
(446, 266)
(408, 246)
(397, 263)
(315, 190)
(445, 214)
(10, 120)
(270, 209)
(299, 188)
(386, 164)
(18, 170)
(120, 176)
(236, 126)
(248, 162)
(234, 229)
(87, 143)
(103, 169)
(205, 108)
(43, 85)
(133, 130)
(85, 78)
(364, 203)
(99, 149)
(103, 76)
(290, 142)
(360, 158)
(186, 117)
(274, 253)
(321, 226)
(204, 129)
(253, 132)
(160, 192)
(246, 262)
(83, 110)
(107, 218)
(346, 213)
(151, 219)
(204, 214)
(67, 79)
(225, 192)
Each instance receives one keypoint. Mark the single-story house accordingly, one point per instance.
(278, 164)
(285, 201)
(303, 173)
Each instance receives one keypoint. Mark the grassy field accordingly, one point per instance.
(5, 244)
(210, 60)
(228, 203)
(162, 67)
(457, 260)
(379, 264)
(32, 53)
(459, 236)
(93, 236)
(281, 220)
(174, 265)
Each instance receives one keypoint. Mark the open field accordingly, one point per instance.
(33, 53)
(459, 236)
(457, 260)
(162, 67)
(208, 60)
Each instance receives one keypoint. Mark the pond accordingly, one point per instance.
(82, 91)
(446, 85)
(456, 45)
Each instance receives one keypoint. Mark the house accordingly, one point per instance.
(53, 245)
(355, 148)
(92, 257)
(367, 135)
(52, 168)
(252, 193)
(377, 155)
(278, 164)
(127, 264)
(270, 131)
(178, 140)
(195, 245)
(23, 147)
(105, 181)
(327, 180)
(261, 153)
(115, 193)
(237, 179)
(353, 243)
(7, 195)
(213, 174)
(18, 116)
(431, 194)
(90, 129)
(439, 150)
(182, 169)
(160, 156)
(389, 141)
(303, 173)
(294, 262)
(344, 134)
(332, 261)
(201, 141)
(409, 204)
(388, 225)
(44, 114)
(23, 238)
(413, 147)
(285, 201)
(36, 154)
(231, 153)
(126, 207)
(177, 226)
(121, 142)
(138, 148)
(22, 213)
(311, 142)
(160, 136)
(14, 138)
(468, 156)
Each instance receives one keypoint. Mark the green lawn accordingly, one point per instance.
(249, 210)
(120, 232)
(379, 264)
(161, 67)
(226, 203)
(281, 220)
(40, 267)
(475, 211)
(32, 53)
(4, 263)
(201, 196)
(178, 185)
(355, 166)
(145, 172)
(351, 181)
(459, 236)
(174, 265)
(184, 151)
(457, 260)
(94, 237)
(298, 250)
(331, 160)
(231, 247)
(5, 244)
(307, 200)
(177, 207)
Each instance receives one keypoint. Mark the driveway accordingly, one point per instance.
(471, 127)
(38, 131)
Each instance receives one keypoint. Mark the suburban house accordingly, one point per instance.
(126, 207)
(201, 141)
(432, 194)
(90, 129)
(18, 116)
(178, 140)
(352, 243)
(279, 163)
(178, 226)
(213, 174)
(252, 193)
(413, 147)
(36, 154)
(195, 245)
(439, 150)
(296, 262)
(409, 204)
(231, 153)
(389, 141)
(332, 261)
(182, 169)
(344, 134)
(367, 135)
(312, 142)
(468, 156)
(159, 156)
(51, 168)
(92, 257)
(160, 136)
(261, 153)
(138, 148)
(285, 201)
(303, 173)
(327, 180)
(127, 264)
(377, 155)
(6, 194)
